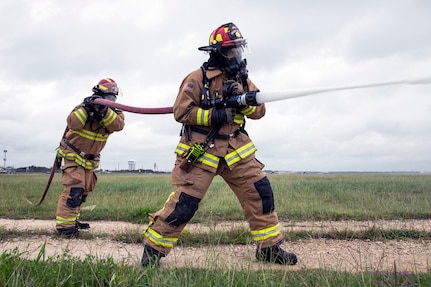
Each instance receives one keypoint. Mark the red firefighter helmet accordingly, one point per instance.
(225, 36)
(106, 86)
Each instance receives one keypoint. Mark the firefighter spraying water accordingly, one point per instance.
(214, 142)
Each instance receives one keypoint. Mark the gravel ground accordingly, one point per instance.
(340, 255)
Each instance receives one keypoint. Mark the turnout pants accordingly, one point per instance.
(77, 182)
(247, 181)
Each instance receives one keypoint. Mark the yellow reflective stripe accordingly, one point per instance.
(213, 161)
(158, 239)
(240, 153)
(66, 221)
(81, 115)
(265, 233)
(248, 110)
(206, 158)
(78, 159)
(181, 148)
(239, 119)
(209, 159)
(202, 117)
(109, 119)
(92, 135)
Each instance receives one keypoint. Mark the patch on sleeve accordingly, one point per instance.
(188, 87)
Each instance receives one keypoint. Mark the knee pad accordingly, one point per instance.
(264, 189)
(75, 195)
(185, 209)
(84, 198)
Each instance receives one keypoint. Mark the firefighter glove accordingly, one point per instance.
(88, 106)
(232, 92)
(101, 109)
(100, 112)
(98, 116)
(231, 88)
(222, 116)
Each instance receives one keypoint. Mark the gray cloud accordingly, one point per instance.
(53, 52)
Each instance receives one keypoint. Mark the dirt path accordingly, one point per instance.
(341, 255)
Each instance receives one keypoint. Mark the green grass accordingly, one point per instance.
(352, 196)
(66, 270)
(298, 197)
(131, 197)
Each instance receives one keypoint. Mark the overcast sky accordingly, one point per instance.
(53, 52)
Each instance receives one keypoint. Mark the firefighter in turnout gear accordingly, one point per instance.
(214, 142)
(89, 126)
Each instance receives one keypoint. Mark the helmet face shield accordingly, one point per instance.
(233, 54)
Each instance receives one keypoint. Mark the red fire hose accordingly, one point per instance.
(136, 110)
(54, 167)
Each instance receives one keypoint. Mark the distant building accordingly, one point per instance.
(132, 164)
(8, 170)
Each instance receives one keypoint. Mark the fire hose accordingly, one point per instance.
(265, 97)
(136, 110)
(258, 98)
(54, 167)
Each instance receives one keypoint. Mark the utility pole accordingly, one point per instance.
(4, 159)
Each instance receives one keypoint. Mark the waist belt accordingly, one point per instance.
(217, 136)
(78, 151)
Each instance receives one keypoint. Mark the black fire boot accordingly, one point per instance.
(69, 232)
(275, 254)
(151, 256)
(82, 225)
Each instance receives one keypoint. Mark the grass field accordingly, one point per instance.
(131, 197)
